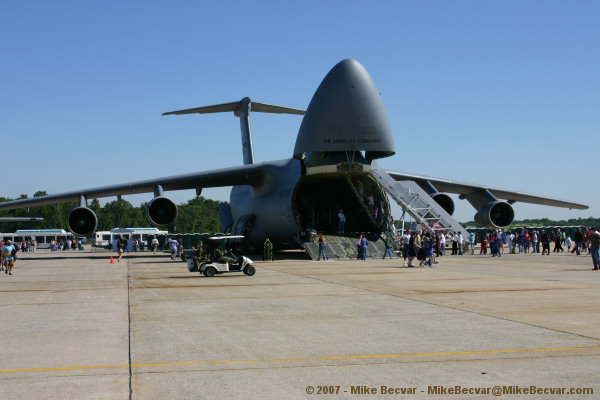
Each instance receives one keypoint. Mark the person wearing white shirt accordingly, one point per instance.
(442, 244)
(405, 242)
(454, 244)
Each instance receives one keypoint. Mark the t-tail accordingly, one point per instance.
(241, 109)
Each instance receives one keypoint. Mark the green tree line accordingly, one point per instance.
(197, 215)
(591, 221)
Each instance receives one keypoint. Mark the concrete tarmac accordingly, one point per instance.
(75, 326)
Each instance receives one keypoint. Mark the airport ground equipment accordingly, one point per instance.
(212, 267)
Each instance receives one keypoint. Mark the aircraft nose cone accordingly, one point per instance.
(346, 113)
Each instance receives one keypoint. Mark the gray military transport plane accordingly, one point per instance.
(343, 131)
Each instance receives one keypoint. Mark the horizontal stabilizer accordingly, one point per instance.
(235, 107)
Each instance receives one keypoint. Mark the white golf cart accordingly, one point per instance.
(236, 263)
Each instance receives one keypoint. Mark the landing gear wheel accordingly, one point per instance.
(249, 270)
(210, 271)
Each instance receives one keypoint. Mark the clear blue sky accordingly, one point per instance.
(502, 93)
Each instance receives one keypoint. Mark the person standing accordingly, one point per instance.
(8, 254)
(180, 248)
(412, 249)
(578, 241)
(484, 243)
(428, 257)
(173, 244)
(557, 242)
(545, 239)
(405, 240)
(342, 218)
(494, 244)
(388, 248)
(268, 250)
(120, 246)
(154, 244)
(472, 242)
(442, 239)
(568, 242)
(322, 246)
(594, 244)
(364, 243)
(454, 243)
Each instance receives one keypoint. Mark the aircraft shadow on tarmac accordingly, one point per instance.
(196, 276)
(58, 258)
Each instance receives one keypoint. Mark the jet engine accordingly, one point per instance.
(445, 202)
(495, 214)
(442, 199)
(82, 221)
(161, 211)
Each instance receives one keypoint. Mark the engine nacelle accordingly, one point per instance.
(495, 214)
(161, 211)
(82, 221)
(442, 199)
(445, 202)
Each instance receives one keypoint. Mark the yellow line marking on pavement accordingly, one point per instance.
(268, 360)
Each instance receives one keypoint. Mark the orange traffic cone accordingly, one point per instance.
(111, 260)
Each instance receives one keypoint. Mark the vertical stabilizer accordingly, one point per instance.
(244, 113)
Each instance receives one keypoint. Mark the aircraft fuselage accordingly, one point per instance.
(298, 198)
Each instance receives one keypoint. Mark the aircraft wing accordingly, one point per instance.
(20, 219)
(448, 186)
(252, 174)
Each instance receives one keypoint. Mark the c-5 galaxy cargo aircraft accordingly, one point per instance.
(343, 131)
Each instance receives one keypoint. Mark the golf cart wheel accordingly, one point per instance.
(249, 270)
(210, 271)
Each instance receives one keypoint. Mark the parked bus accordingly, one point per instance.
(103, 238)
(43, 236)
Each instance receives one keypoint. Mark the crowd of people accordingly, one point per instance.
(27, 245)
(135, 244)
(426, 247)
(536, 241)
(65, 245)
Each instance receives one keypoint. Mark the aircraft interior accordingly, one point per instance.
(318, 200)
